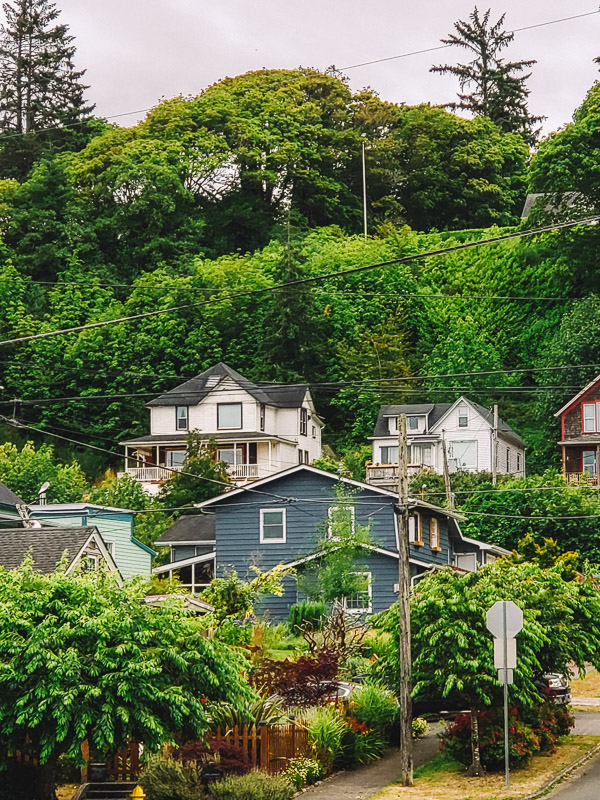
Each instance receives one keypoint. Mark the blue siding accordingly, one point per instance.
(238, 544)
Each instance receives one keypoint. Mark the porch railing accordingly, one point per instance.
(150, 474)
(581, 479)
(388, 473)
(242, 471)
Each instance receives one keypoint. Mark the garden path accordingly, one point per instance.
(361, 783)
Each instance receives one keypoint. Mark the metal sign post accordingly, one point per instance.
(504, 620)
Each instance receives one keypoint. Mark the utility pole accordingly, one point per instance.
(364, 181)
(449, 495)
(406, 755)
(495, 446)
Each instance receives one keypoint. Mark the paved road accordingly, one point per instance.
(587, 723)
(582, 785)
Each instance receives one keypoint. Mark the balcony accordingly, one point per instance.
(387, 474)
(242, 472)
(150, 474)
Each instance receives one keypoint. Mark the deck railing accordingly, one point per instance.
(581, 479)
(151, 474)
(242, 471)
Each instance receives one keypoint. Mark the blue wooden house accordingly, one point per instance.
(282, 518)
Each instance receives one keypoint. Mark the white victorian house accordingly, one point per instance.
(259, 428)
(465, 428)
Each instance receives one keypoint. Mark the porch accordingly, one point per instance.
(386, 475)
(581, 461)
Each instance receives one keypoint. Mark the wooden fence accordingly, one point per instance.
(268, 749)
(125, 766)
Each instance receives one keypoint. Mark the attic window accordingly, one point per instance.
(413, 423)
(463, 416)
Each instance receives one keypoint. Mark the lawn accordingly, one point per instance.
(588, 686)
(444, 779)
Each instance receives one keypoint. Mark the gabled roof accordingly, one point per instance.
(196, 529)
(196, 389)
(580, 394)
(47, 546)
(9, 498)
(488, 416)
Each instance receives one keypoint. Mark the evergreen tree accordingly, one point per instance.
(499, 90)
(39, 85)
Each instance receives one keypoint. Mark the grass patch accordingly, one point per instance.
(442, 778)
(588, 686)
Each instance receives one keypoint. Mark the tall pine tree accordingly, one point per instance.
(40, 88)
(498, 89)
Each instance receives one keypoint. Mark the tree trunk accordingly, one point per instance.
(47, 780)
(475, 770)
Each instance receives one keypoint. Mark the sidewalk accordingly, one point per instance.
(362, 782)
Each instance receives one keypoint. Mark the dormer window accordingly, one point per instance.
(463, 416)
(181, 418)
(413, 423)
(229, 416)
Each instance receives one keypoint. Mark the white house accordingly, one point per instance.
(259, 428)
(466, 428)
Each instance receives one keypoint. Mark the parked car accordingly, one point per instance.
(555, 685)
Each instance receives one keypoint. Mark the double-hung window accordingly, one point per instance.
(262, 417)
(415, 528)
(591, 417)
(341, 519)
(272, 525)
(361, 601)
(303, 422)
(229, 416)
(463, 416)
(434, 534)
(181, 418)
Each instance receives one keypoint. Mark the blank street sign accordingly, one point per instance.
(509, 676)
(495, 619)
(511, 653)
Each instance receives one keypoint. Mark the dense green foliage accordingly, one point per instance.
(25, 470)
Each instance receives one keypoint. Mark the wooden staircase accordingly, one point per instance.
(113, 790)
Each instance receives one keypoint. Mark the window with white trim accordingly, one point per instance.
(303, 422)
(415, 528)
(338, 518)
(434, 534)
(362, 600)
(261, 413)
(272, 525)
(591, 417)
(413, 423)
(464, 453)
(518, 462)
(508, 459)
(314, 431)
(463, 416)
(229, 416)
(196, 577)
(181, 418)
(389, 454)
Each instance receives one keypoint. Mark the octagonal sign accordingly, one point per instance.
(501, 614)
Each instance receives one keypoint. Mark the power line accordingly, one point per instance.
(445, 46)
(307, 280)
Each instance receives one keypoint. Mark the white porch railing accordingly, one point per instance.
(388, 473)
(149, 474)
(243, 471)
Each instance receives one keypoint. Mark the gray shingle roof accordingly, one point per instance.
(198, 528)
(8, 498)
(46, 544)
(181, 438)
(196, 389)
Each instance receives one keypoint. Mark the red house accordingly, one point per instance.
(580, 434)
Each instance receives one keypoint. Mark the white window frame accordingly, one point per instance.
(169, 459)
(518, 462)
(314, 431)
(303, 422)
(235, 427)
(409, 422)
(463, 413)
(261, 416)
(268, 539)
(330, 521)
(508, 459)
(415, 522)
(369, 590)
(388, 447)
(434, 532)
(185, 418)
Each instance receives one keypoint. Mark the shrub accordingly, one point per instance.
(304, 682)
(326, 728)
(456, 739)
(253, 786)
(356, 667)
(229, 757)
(167, 779)
(305, 614)
(419, 727)
(549, 722)
(264, 711)
(375, 706)
(303, 771)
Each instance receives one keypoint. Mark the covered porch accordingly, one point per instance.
(581, 460)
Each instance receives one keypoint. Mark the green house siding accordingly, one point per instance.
(131, 557)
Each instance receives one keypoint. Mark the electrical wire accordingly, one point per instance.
(307, 280)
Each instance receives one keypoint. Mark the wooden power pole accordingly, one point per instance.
(406, 755)
(447, 484)
(495, 446)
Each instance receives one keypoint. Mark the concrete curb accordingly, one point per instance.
(563, 774)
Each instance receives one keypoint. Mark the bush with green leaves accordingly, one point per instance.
(253, 786)
(419, 727)
(375, 706)
(168, 779)
(356, 668)
(326, 727)
(263, 711)
(306, 614)
(303, 771)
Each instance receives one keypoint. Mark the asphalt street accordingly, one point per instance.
(584, 784)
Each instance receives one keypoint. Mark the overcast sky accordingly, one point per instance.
(139, 51)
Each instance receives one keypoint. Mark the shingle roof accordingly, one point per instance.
(8, 498)
(503, 427)
(181, 438)
(196, 528)
(434, 410)
(196, 389)
(46, 544)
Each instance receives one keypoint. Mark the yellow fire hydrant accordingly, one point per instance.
(138, 793)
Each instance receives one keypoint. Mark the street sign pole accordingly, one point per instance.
(506, 747)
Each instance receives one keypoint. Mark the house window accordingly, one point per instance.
(196, 577)
(340, 518)
(303, 422)
(175, 459)
(229, 416)
(306, 456)
(272, 525)
(314, 431)
(181, 418)
(415, 529)
(413, 423)
(588, 462)
(508, 459)
(262, 417)
(362, 600)
(434, 534)
(393, 425)
(389, 455)
(464, 454)
(518, 462)
(463, 416)
(90, 563)
(591, 417)
(110, 547)
(231, 455)
(421, 454)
